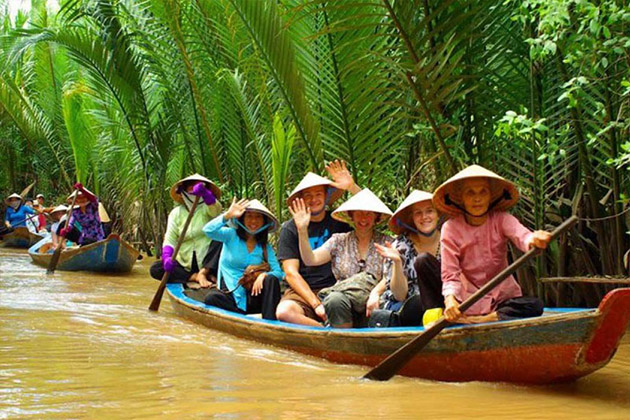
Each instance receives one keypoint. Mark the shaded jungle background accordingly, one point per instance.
(130, 96)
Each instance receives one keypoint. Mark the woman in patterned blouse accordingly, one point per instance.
(84, 226)
(414, 273)
(356, 264)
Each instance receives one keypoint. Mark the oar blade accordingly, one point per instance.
(395, 361)
(157, 298)
(54, 260)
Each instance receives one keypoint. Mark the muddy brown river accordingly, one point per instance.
(79, 345)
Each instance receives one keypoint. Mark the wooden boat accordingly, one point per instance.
(20, 237)
(111, 255)
(560, 346)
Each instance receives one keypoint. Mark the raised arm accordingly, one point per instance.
(91, 197)
(342, 179)
(302, 217)
(398, 284)
(217, 228)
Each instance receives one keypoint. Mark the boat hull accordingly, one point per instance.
(112, 255)
(20, 237)
(549, 349)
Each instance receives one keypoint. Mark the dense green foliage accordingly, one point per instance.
(128, 96)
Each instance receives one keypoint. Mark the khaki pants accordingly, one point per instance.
(346, 300)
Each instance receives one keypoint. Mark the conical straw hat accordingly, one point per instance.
(176, 195)
(451, 188)
(14, 195)
(310, 180)
(258, 207)
(102, 213)
(364, 200)
(71, 196)
(403, 212)
(59, 208)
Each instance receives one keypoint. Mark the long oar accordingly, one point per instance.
(397, 360)
(157, 299)
(5, 229)
(55, 258)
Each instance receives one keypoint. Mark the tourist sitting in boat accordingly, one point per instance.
(32, 223)
(474, 243)
(196, 251)
(17, 213)
(356, 264)
(84, 226)
(300, 304)
(38, 205)
(244, 231)
(57, 214)
(413, 276)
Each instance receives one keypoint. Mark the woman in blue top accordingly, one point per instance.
(244, 231)
(17, 213)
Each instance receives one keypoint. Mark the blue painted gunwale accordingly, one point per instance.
(557, 326)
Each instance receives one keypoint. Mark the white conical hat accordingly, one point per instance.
(59, 208)
(364, 200)
(310, 180)
(258, 207)
(403, 212)
(449, 191)
(14, 195)
(176, 196)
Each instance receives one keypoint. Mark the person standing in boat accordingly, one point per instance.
(17, 213)
(355, 262)
(84, 226)
(244, 230)
(474, 246)
(413, 279)
(300, 304)
(196, 253)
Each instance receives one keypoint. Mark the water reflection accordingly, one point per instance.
(79, 345)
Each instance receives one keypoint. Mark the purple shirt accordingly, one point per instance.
(473, 255)
(91, 229)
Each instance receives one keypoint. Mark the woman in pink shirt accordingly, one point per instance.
(474, 246)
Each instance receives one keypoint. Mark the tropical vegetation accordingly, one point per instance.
(128, 96)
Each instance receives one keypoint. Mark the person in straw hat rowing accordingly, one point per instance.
(413, 280)
(474, 246)
(355, 262)
(244, 230)
(300, 304)
(84, 226)
(17, 213)
(196, 255)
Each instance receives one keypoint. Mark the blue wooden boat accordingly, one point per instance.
(20, 237)
(111, 255)
(560, 346)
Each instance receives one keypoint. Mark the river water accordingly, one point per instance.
(79, 345)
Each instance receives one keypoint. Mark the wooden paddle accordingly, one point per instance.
(397, 360)
(26, 190)
(157, 299)
(55, 258)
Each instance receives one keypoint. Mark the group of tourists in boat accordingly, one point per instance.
(339, 269)
(88, 221)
